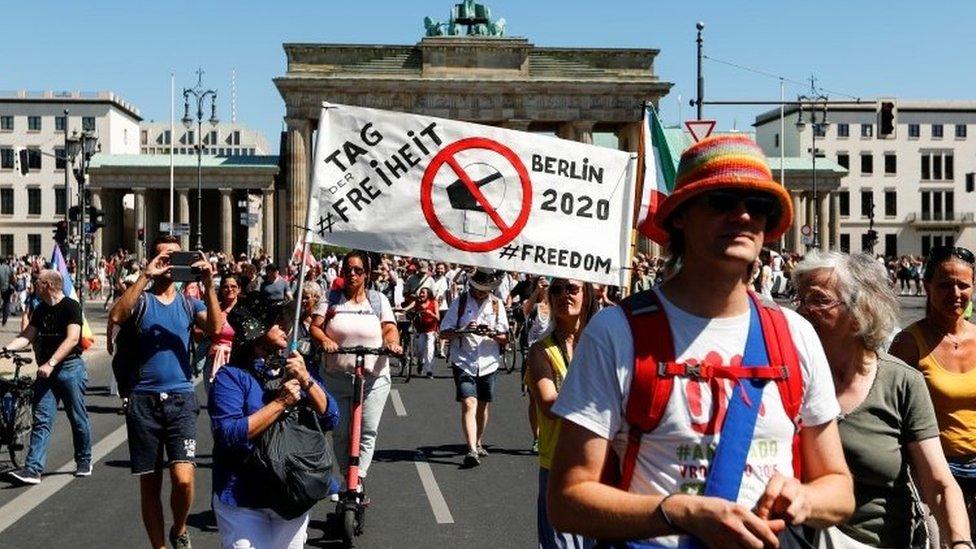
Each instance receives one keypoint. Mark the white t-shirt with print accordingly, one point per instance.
(675, 457)
(355, 324)
(439, 287)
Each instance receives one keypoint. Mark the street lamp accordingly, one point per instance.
(817, 104)
(200, 95)
(82, 146)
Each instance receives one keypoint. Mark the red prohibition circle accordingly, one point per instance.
(447, 155)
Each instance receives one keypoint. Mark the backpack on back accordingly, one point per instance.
(375, 302)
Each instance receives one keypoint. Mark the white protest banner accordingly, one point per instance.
(478, 195)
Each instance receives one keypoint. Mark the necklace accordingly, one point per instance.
(952, 339)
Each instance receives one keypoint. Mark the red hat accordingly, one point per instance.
(723, 162)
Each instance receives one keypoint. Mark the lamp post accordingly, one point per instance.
(200, 95)
(81, 146)
(816, 103)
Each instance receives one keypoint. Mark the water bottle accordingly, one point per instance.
(8, 406)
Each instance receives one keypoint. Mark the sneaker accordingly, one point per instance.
(84, 469)
(472, 459)
(334, 497)
(481, 451)
(180, 541)
(535, 446)
(25, 476)
(430, 375)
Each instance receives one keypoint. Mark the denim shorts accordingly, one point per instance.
(467, 385)
(159, 421)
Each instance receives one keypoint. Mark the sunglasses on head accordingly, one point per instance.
(757, 204)
(358, 271)
(557, 290)
(941, 253)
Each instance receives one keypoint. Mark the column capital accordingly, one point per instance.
(226, 191)
(298, 123)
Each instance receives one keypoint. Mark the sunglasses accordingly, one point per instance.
(557, 290)
(941, 253)
(358, 271)
(758, 205)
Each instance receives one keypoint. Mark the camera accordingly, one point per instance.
(181, 266)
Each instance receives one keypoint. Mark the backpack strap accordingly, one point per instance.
(649, 391)
(375, 302)
(782, 352)
(462, 305)
(142, 303)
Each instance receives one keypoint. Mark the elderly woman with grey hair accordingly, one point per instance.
(887, 421)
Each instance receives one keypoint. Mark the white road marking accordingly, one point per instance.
(397, 403)
(16, 508)
(442, 514)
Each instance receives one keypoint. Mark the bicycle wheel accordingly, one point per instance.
(408, 359)
(20, 431)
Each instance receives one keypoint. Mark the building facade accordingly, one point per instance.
(223, 139)
(919, 179)
(31, 203)
(571, 92)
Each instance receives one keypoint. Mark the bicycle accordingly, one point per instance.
(408, 358)
(16, 395)
(353, 502)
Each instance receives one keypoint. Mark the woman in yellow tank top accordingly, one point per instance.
(943, 347)
(571, 303)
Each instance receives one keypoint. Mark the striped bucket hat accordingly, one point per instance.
(725, 162)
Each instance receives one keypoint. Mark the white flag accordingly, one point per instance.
(478, 195)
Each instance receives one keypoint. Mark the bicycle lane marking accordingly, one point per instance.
(34, 496)
(398, 407)
(442, 514)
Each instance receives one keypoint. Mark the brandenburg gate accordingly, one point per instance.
(495, 80)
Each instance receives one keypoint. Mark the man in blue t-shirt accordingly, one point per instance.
(162, 411)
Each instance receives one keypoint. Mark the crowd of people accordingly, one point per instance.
(690, 409)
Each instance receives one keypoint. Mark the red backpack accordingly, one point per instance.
(655, 368)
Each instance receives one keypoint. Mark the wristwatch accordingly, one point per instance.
(52, 363)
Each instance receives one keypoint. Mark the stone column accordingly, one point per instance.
(226, 222)
(565, 130)
(299, 136)
(97, 241)
(152, 214)
(183, 214)
(267, 221)
(834, 221)
(583, 131)
(796, 241)
(823, 220)
(139, 220)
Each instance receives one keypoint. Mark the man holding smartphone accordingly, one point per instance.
(163, 409)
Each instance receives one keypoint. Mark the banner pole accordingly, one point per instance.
(323, 133)
(630, 231)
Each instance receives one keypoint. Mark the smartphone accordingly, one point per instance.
(182, 271)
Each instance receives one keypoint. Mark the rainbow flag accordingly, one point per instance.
(59, 264)
(659, 172)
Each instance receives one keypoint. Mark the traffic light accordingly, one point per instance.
(24, 155)
(74, 214)
(96, 218)
(141, 235)
(61, 232)
(886, 119)
(872, 238)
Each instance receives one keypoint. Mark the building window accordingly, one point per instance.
(776, 140)
(936, 131)
(88, 123)
(949, 168)
(845, 243)
(867, 130)
(7, 123)
(188, 138)
(212, 140)
(60, 123)
(970, 182)
(891, 164)
(938, 205)
(938, 166)
(6, 158)
(867, 202)
(843, 130)
(820, 130)
(867, 164)
(167, 137)
(926, 167)
(891, 207)
(844, 203)
(6, 244)
(34, 158)
(144, 137)
(913, 131)
(866, 244)
(6, 201)
(960, 131)
(59, 159)
(891, 245)
(235, 138)
(33, 123)
(33, 201)
(34, 244)
(59, 202)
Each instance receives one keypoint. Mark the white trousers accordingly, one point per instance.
(246, 528)
(424, 345)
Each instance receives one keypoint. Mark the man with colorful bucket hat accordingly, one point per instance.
(698, 413)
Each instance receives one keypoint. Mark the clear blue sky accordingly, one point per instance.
(911, 50)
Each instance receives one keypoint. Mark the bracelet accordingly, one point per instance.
(964, 542)
(664, 515)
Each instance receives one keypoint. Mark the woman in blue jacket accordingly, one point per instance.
(241, 409)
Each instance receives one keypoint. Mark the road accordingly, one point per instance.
(421, 495)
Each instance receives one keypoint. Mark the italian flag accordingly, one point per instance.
(659, 172)
(60, 265)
